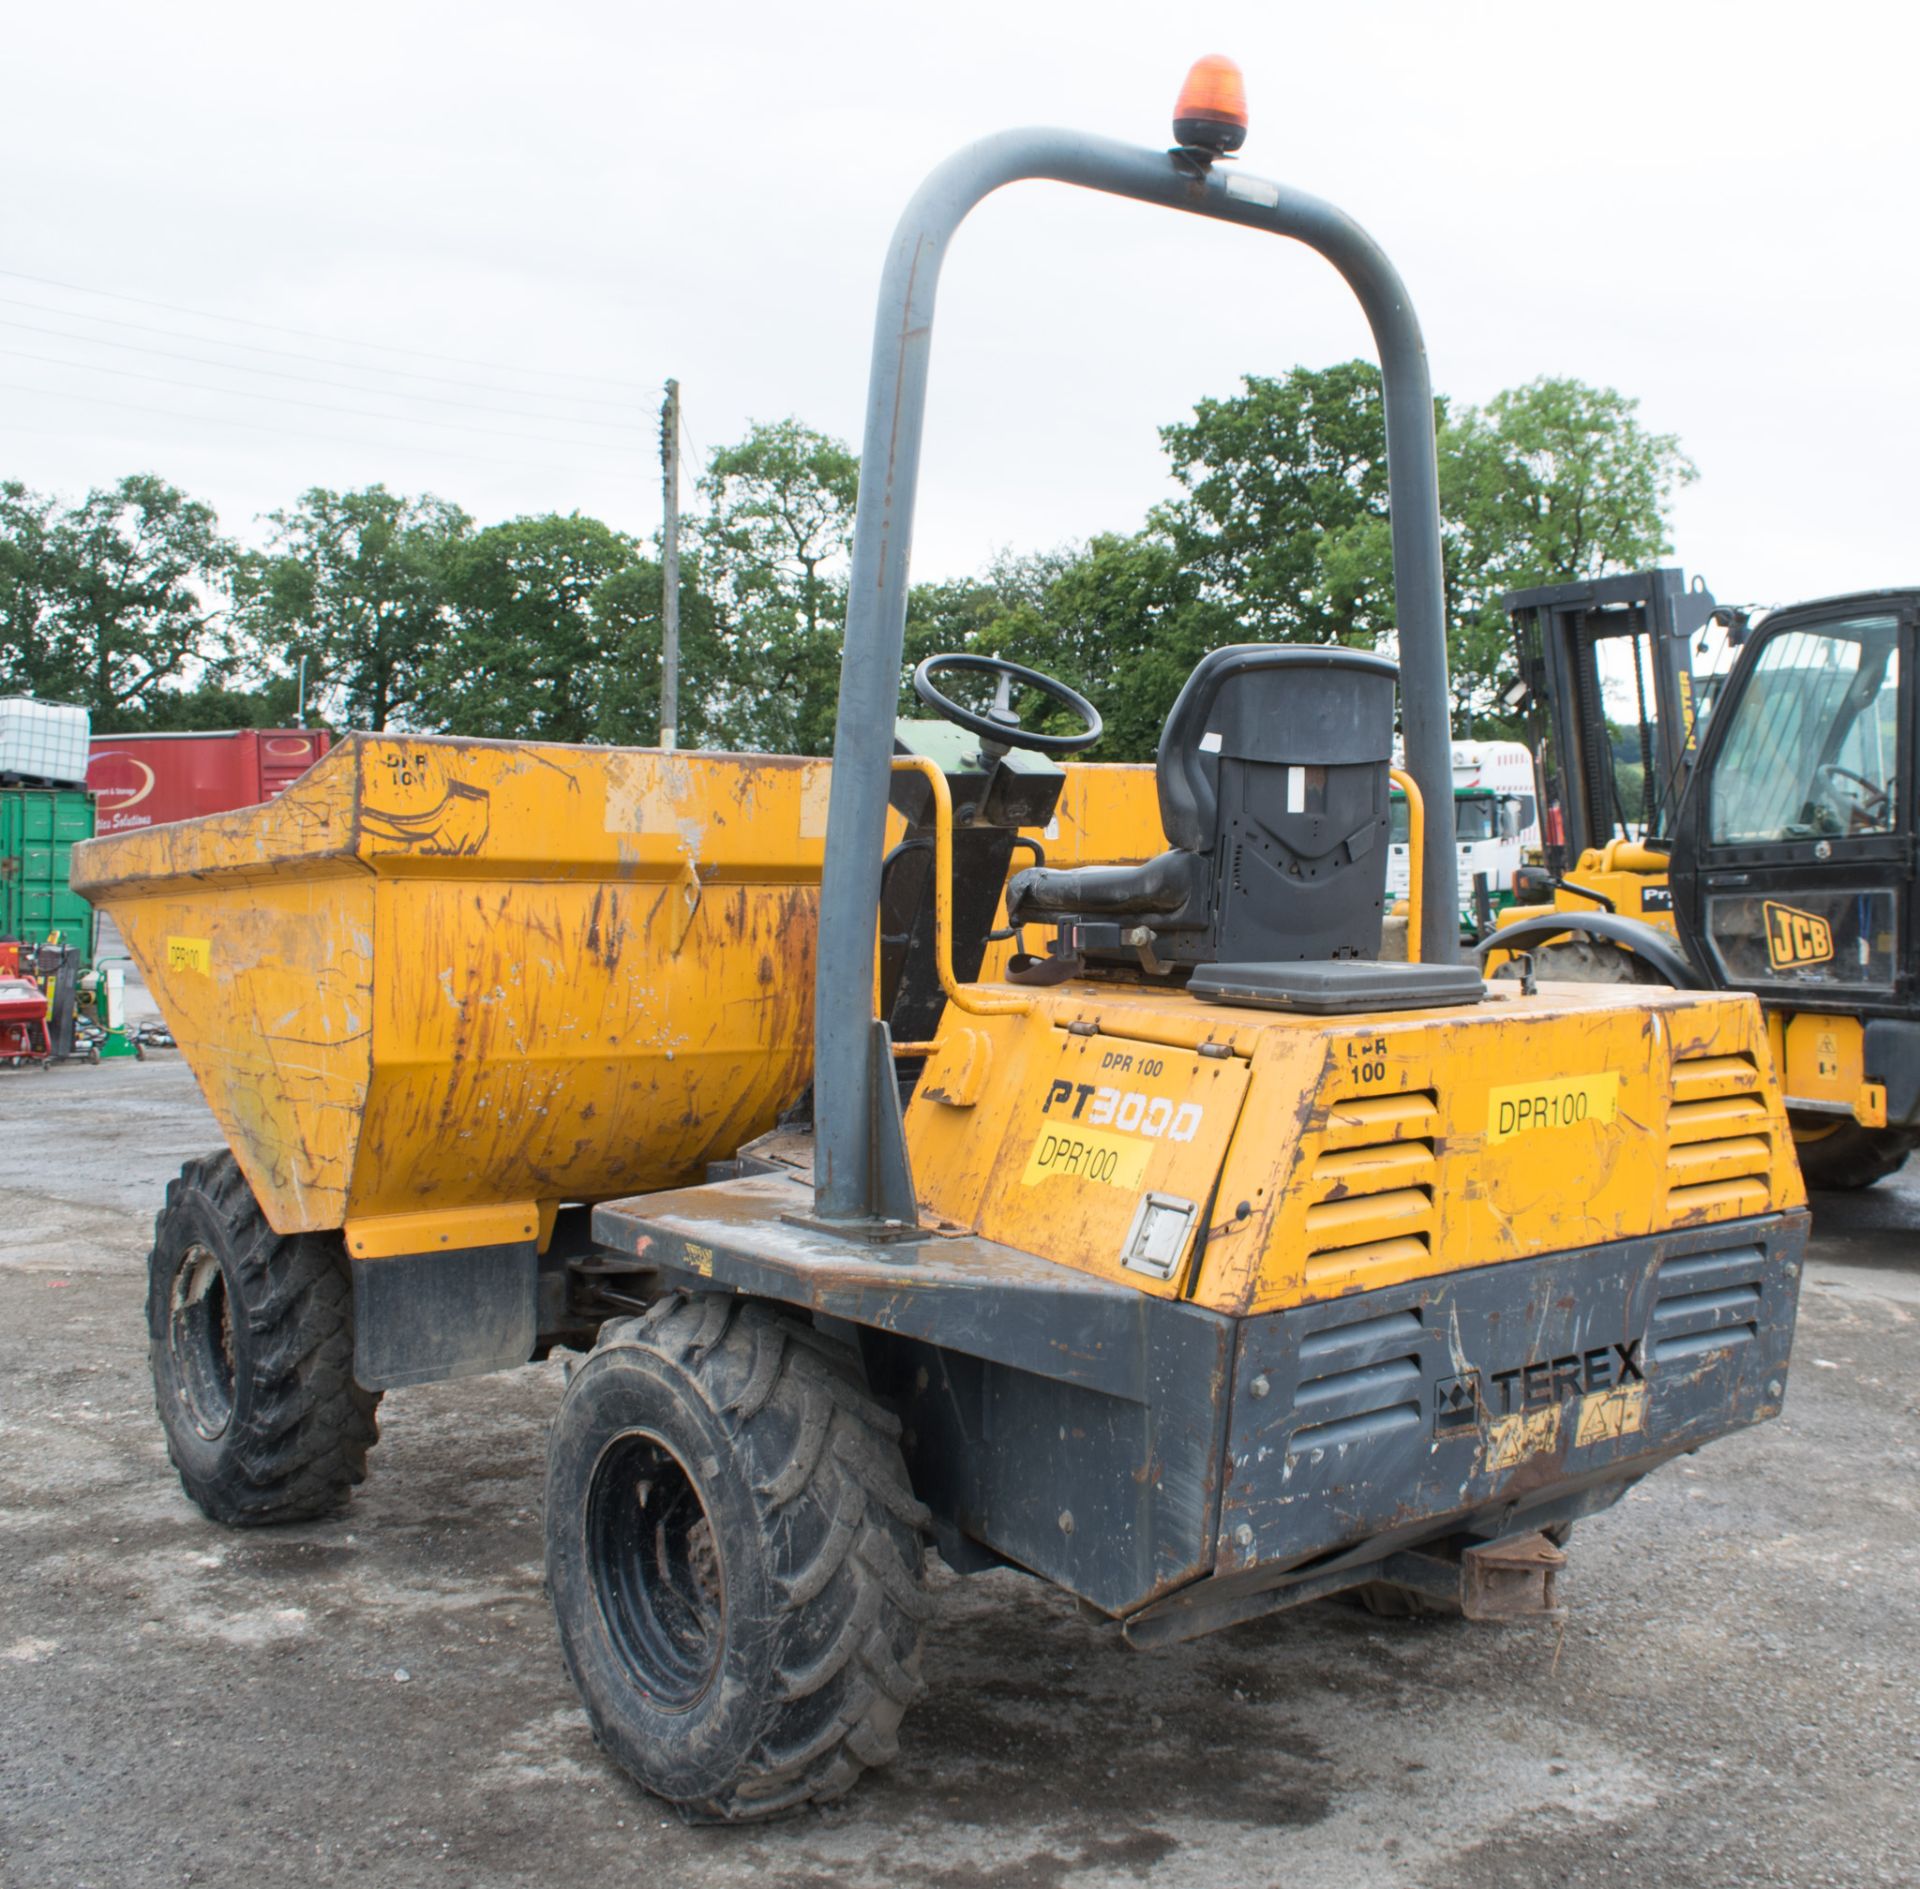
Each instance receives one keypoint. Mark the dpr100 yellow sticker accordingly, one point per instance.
(190, 954)
(1522, 1108)
(1069, 1152)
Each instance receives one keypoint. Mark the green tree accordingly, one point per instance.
(212, 704)
(553, 634)
(627, 609)
(1124, 623)
(1283, 510)
(32, 661)
(774, 546)
(524, 654)
(356, 582)
(1549, 483)
(995, 614)
(109, 602)
(1279, 487)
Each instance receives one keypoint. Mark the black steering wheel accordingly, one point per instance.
(1000, 725)
(1871, 806)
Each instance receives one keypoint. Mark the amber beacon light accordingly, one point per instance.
(1210, 116)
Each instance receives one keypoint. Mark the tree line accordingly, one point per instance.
(403, 612)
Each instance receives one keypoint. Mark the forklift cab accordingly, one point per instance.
(1778, 849)
(1793, 852)
(1606, 673)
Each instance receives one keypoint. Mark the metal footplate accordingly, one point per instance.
(755, 1234)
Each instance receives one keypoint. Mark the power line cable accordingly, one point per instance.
(318, 406)
(465, 454)
(310, 334)
(312, 380)
(321, 360)
(687, 434)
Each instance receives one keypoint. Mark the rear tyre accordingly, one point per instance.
(734, 1554)
(251, 1342)
(1839, 1156)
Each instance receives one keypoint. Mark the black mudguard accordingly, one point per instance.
(1653, 947)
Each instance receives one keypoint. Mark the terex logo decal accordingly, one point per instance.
(1525, 1413)
(1129, 1110)
(1795, 937)
(1578, 1374)
(1456, 1403)
(1458, 1400)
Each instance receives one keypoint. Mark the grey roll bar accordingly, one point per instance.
(851, 1116)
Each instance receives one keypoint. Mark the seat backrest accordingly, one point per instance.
(1267, 704)
(1273, 772)
(1273, 765)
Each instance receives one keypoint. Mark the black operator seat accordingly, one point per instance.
(1273, 776)
(1273, 782)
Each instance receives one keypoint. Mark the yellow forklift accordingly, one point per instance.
(1204, 1263)
(1764, 840)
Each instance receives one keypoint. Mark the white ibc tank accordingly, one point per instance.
(43, 741)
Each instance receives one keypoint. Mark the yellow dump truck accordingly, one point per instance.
(1202, 1261)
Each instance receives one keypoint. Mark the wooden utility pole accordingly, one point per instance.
(670, 567)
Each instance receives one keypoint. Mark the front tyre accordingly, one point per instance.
(1839, 1156)
(734, 1554)
(1585, 961)
(250, 1338)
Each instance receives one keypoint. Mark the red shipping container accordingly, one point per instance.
(148, 780)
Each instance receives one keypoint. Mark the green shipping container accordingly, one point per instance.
(39, 827)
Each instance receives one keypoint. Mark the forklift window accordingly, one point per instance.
(1399, 822)
(1475, 817)
(1812, 752)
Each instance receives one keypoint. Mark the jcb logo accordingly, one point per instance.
(1795, 937)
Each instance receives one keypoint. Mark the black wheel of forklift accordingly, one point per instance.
(1838, 1156)
(734, 1554)
(251, 1342)
(1585, 961)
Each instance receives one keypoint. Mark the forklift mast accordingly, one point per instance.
(1559, 633)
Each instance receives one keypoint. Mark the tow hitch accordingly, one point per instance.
(1511, 1579)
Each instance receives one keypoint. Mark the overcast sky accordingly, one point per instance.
(540, 213)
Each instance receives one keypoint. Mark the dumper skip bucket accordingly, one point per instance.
(439, 987)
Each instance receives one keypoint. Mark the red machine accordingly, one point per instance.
(23, 1022)
(148, 780)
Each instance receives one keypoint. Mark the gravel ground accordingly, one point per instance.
(1735, 1697)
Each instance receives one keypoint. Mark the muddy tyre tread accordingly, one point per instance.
(839, 1532)
(303, 1428)
(1851, 1157)
(1587, 961)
